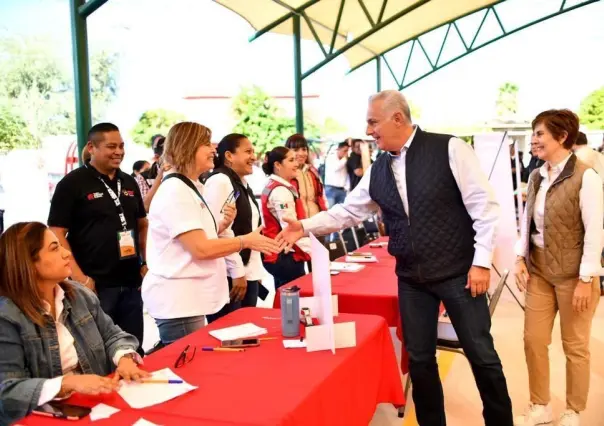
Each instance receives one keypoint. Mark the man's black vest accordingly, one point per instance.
(243, 221)
(435, 240)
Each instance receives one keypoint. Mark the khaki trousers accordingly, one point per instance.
(545, 296)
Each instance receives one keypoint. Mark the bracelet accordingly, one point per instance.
(520, 259)
(87, 281)
(240, 244)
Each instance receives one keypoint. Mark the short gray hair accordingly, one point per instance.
(394, 101)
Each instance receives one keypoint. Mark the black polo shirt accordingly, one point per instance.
(82, 205)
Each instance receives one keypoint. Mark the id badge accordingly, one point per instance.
(125, 240)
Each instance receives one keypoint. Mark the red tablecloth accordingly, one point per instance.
(270, 385)
(373, 290)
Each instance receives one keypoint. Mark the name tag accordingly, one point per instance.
(126, 244)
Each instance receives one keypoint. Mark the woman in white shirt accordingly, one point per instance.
(226, 184)
(187, 272)
(280, 199)
(558, 263)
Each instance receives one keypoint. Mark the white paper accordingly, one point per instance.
(102, 411)
(321, 284)
(238, 332)
(293, 344)
(143, 422)
(361, 259)
(141, 395)
(346, 267)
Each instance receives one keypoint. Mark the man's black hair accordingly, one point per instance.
(96, 132)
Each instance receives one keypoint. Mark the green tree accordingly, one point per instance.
(38, 87)
(259, 118)
(507, 100)
(14, 132)
(591, 111)
(153, 122)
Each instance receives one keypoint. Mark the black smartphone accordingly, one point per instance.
(240, 343)
(62, 411)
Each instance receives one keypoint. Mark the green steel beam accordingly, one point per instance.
(484, 18)
(81, 75)
(442, 46)
(391, 71)
(366, 11)
(378, 70)
(425, 32)
(363, 36)
(87, 8)
(408, 61)
(314, 33)
(298, 75)
(337, 27)
(382, 10)
(472, 49)
(469, 49)
(284, 18)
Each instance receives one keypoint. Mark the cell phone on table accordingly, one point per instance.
(240, 343)
(62, 411)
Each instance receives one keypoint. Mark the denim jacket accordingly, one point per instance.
(29, 354)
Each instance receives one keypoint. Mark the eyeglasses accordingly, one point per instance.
(184, 357)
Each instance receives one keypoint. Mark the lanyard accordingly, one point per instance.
(190, 184)
(116, 200)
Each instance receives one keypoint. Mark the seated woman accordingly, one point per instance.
(280, 199)
(187, 278)
(54, 338)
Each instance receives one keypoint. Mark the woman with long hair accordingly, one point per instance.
(307, 180)
(54, 337)
(187, 273)
(279, 200)
(227, 184)
(558, 263)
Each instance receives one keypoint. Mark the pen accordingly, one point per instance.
(211, 349)
(166, 381)
(267, 338)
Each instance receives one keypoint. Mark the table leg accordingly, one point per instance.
(401, 410)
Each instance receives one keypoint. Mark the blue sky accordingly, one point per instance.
(175, 48)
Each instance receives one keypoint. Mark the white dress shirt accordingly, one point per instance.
(592, 158)
(178, 285)
(591, 202)
(476, 192)
(335, 171)
(281, 203)
(67, 350)
(218, 189)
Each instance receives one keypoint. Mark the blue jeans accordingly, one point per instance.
(249, 300)
(419, 304)
(334, 195)
(170, 330)
(125, 307)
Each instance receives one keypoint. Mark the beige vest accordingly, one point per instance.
(563, 232)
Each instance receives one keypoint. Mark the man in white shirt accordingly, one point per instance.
(441, 215)
(336, 175)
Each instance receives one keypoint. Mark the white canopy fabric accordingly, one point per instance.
(420, 17)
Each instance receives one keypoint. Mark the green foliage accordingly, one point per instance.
(153, 122)
(507, 100)
(36, 85)
(14, 132)
(259, 118)
(591, 111)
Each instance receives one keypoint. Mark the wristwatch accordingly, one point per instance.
(585, 279)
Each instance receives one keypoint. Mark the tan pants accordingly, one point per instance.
(546, 296)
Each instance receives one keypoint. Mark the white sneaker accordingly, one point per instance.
(536, 415)
(569, 418)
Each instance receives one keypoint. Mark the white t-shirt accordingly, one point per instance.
(177, 285)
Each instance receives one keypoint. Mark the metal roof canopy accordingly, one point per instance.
(366, 30)
(361, 30)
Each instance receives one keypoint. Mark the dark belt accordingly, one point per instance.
(335, 187)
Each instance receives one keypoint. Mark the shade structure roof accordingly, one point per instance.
(376, 26)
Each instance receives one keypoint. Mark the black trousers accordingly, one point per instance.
(125, 307)
(419, 305)
(285, 270)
